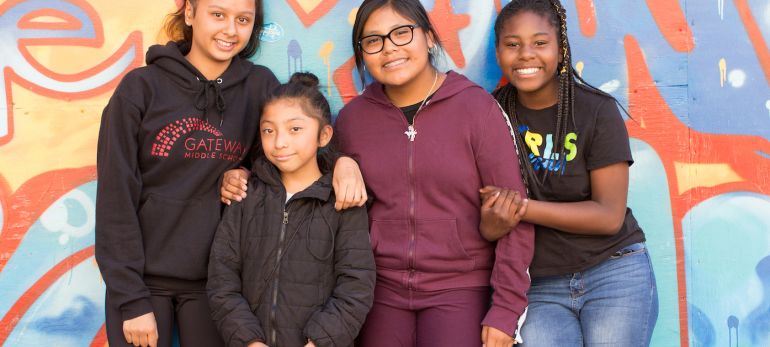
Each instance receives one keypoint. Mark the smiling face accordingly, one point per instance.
(221, 29)
(398, 66)
(528, 54)
(291, 139)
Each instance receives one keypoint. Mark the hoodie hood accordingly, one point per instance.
(452, 85)
(170, 58)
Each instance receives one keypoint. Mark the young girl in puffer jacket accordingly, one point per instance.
(286, 269)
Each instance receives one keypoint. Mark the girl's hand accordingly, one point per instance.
(257, 344)
(309, 344)
(501, 210)
(491, 337)
(348, 184)
(234, 185)
(141, 331)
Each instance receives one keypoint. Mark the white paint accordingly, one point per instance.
(721, 9)
(737, 78)
(610, 86)
(54, 219)
(767, 106)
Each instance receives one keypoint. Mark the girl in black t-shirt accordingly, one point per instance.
(592, 279)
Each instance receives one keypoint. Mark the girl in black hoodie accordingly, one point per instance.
(286, 269)
(168, 133)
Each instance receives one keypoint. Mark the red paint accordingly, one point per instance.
(672, 24)
(309, 18)
(30, 201)
(100, 339)
(755, 35)
(448, 25)
(66, 21)
(586, 17)
(666, 134)
(17, 311)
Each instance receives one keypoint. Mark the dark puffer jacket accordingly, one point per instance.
(283, 274)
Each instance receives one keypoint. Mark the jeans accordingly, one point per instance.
(614, 303)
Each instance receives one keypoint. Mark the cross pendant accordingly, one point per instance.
(411, 133)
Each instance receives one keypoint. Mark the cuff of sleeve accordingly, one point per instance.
(502, 319)
(136, 308)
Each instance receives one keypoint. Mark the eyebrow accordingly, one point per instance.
(217, 7)
(371, 32)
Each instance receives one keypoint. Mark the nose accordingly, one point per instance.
(229, 28)
(281, 140)
(388, 45)
(526, 52)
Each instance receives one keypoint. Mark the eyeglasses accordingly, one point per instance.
(400, 36)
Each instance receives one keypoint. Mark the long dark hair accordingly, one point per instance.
(411, 9)
(303, 88)
(568, 78)
(176, 30)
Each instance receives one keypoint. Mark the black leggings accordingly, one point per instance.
(172, 300)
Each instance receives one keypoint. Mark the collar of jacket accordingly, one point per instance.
(266, 172)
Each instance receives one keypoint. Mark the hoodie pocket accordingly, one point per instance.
(439, 249)
(390, 242)
(177, 235)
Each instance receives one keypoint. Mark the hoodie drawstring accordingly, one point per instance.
(202, 98)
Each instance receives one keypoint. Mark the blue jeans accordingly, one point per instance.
(614, 303)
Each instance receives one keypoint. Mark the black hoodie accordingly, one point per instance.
(166, 137)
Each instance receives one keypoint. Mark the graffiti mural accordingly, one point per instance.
(694, 75)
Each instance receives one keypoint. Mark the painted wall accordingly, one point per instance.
(693, 73)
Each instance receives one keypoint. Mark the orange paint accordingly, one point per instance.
(20, 307)
(343, 80)
(447, 26)
(66, 21)
(133, 42)
(309, 18)
(586, 17)
(647, 106)
(672, 24)
(755, 35)
(31, 200)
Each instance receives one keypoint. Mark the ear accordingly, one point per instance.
(430, 40)
(189, 13)
(325, 135)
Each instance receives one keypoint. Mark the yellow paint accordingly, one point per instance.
(352, 16)
(326, 53)
(722, 72)
(579, 66)
(309, 5)
(691, 176)
(52, 134)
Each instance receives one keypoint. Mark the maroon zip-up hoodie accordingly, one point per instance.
(425, 217)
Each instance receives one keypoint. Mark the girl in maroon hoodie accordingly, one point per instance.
(427, 141)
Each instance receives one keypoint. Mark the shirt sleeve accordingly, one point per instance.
(609, 144)
(499, 166)
(119, 246)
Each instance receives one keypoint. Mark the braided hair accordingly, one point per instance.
(556, 14)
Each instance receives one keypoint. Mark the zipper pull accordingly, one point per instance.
(285, 217)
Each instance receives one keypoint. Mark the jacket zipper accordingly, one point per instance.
(274, 298)
(411, 249)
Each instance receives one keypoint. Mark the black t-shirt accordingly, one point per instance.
(411, 111)
(598, 138)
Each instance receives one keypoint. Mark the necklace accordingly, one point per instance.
(410, 132)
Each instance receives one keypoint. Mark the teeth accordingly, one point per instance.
(396, 62)
(527, 71)
(225, 43)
